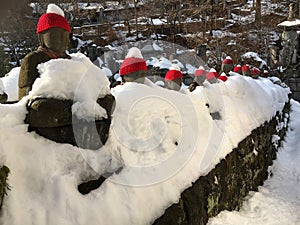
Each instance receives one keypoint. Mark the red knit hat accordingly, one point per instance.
(133, 62)
(200, 72)
(265, 73)
(54, 17)
(245, 67)
(173, 73)
(223, 77)
(227, 60)
(237, 68)
(212, 74)
(255, 71)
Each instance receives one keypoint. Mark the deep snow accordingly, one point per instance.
(163, 139)
(277, 202)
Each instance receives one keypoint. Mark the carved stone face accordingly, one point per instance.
(56, 39)
(174, 84)
(199, 80)
(138, 77)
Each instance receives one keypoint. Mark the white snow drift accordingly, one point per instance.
(163, 139)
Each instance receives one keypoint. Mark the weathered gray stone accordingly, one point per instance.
(49, 112)
(84, 134)
(53, 119)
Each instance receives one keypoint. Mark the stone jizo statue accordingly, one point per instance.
(133, 68)
(53, 34)
(173, 78)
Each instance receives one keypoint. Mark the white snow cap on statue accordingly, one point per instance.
(175, 67)
(134, 52)
(52, 8)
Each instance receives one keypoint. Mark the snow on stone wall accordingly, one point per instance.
(160, 142)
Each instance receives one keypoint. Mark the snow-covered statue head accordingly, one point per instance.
(53, 33)
(199, 78)
(227, 65)
(53, 29)
(173, 78)
(246, 70)
(255, 73)
(212, 76)
(133, 68)
(238, 69)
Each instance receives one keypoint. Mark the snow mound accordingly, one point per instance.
(134, 52)
(175, 67)
(52, 8)
(10, 83)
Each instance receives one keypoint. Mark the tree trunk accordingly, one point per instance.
(224, 4)
(135, 18)
(258, 13)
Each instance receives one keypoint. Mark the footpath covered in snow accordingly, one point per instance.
(278, 201)
(160, 142)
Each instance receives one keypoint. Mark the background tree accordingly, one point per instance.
(17, 31)
(258, 14)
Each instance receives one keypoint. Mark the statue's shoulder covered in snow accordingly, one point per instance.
(29, 72)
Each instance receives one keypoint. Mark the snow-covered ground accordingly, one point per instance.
(278, 201)
(164, 140)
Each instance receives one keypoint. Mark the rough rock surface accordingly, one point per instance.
(53, 119)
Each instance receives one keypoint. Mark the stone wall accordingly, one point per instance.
(4, 171)
(225, 187)
(292, 79)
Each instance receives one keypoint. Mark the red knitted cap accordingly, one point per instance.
(265, 73)
(49, 20)
(255, 71)
(237, 68)
(200, 72)
(132, 64)
(245, 68)
(173, 74)
(222, 78)
(227, 60)
(212, 74)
